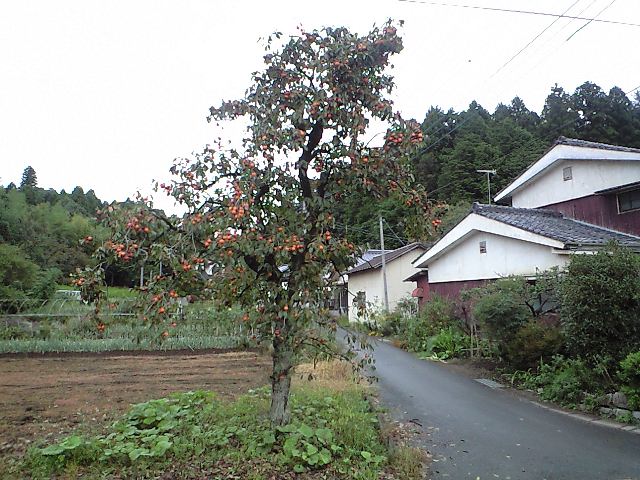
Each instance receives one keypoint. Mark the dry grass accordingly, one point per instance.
(407, 462)
(335, 374)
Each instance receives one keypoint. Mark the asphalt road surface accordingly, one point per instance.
(475, 431)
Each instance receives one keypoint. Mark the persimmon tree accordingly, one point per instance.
(260, 218)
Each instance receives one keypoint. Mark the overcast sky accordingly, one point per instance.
(104, 94)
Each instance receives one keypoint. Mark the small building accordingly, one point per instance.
(366, 284)
(495, 241)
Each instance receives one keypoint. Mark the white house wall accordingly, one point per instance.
(505, 256)
(588, 176)
(370, 282)
(477, 223)
(565, 152)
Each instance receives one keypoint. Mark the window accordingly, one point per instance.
(628, 201)
(567, 173)
(483, 246)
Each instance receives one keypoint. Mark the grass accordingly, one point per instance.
(334, 433)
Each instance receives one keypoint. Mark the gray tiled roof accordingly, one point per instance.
(376, 262)
(574, 142)
(554, 225)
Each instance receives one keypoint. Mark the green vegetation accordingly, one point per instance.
(70, 326)
(564, 381)
(630, 377)
(333, 434)
(601, 304)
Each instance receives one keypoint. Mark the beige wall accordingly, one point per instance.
(370, 282)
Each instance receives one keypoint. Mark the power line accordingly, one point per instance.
(632, 90)
(535, 38)
(545, 55)
(592, 20)
(402, 242)
(524, 12)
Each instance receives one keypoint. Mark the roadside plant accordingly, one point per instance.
(500, 312)
(435, 315)
(532, 343)
(601, 304)
(630, 376)
(259, 231)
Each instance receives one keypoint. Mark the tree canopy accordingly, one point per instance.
(261, 216)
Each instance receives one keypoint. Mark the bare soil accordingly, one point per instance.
(46, 397)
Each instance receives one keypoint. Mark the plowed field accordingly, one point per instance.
(48, 396)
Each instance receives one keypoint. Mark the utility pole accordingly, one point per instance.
(384, 267)
(489, 173)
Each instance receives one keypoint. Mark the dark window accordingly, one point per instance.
(629, 201)
(483, 246)
(567, 174)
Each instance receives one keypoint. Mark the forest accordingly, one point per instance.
(45, 235)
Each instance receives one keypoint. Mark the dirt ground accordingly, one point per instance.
(46, 397)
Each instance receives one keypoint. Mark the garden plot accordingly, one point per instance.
(47, 397)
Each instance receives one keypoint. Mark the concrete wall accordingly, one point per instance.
(370, 282)
(505, 256)
(589, 176)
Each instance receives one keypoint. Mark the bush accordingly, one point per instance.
(533, 342)
(630, 376)
(46, 285)
(601, 304)
(436, 314)
(449, 342)
(501, 312)
(564, 381)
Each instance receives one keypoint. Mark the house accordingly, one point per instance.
(593, 182)
(495, 241)
(365, 279)
(575, 199)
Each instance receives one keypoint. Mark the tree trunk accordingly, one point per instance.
(280, 382)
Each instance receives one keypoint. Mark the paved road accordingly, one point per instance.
(480, 432)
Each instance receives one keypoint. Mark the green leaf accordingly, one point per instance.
(366, 455)
(306, 430)
(138, 452)
(311, 449)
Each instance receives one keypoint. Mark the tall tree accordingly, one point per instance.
(29, 178)
(262, 214)
(559, 117)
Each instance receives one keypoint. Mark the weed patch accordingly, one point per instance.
(333, 433)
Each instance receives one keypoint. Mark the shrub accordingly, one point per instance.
(45, 286)
(449, 342)
(601, 303)
(390, 323)
(435, 315)
(533, 342)
(501, 312)
(564, 380)
(630, 376)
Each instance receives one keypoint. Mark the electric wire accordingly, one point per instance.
(535, 38)
(592, 20)
(524, 12)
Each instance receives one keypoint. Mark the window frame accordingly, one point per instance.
(631, 209)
